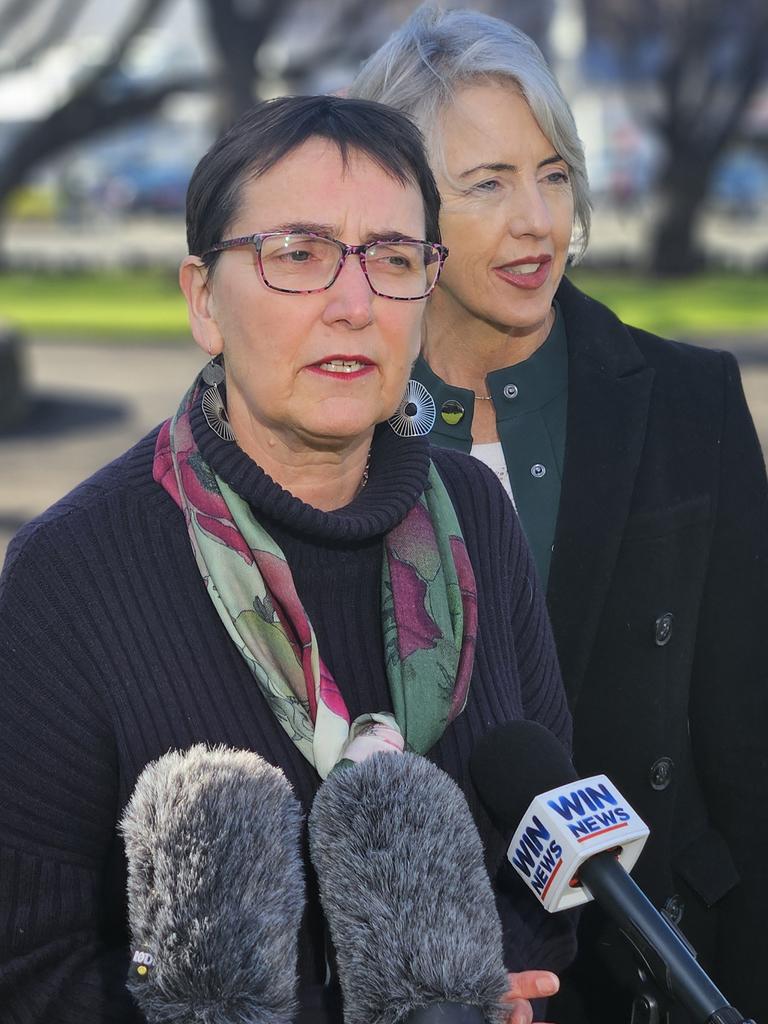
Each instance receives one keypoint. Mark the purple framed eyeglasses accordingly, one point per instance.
(301, 263)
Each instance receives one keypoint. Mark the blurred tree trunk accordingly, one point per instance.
(683, 185)
(238, 29)
(709, 59)
(717, 58)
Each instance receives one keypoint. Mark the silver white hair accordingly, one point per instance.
(420, 67)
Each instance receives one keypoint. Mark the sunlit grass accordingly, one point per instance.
(136, 305)
(146, 306)
(705, 305)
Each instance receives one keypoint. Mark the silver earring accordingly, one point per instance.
(415, 415)
(214, 409)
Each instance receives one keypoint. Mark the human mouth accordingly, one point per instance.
(347, 367)
(529, 272)
(342, 366)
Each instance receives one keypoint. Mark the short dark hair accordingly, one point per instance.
(273, 129)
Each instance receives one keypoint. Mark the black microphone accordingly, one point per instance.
(526, 781)
(404, 887)
(215, 889)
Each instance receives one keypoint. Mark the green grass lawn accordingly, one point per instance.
(120, 306)
(705, 305)
(146, 306)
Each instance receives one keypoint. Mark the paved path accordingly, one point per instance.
(92, 402)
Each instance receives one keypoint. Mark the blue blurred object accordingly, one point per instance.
(152, 188)
(740, 184)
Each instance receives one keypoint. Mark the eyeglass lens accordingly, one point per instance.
(299, 263)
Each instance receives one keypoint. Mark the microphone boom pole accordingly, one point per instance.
(667, 957)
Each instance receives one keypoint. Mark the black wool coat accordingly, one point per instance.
(658, 594)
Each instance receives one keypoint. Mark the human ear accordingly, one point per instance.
(195, 283)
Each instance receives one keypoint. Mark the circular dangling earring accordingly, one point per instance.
(214, 410)
(415, 415)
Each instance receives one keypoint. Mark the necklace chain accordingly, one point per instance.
(364, 479)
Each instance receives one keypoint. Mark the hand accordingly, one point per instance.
(524, 986)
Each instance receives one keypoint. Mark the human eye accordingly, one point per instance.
(302, 250)
(558, 177)
(487, 187)
(399, 260)
(296, 255)
(296, 250)
(394, 258)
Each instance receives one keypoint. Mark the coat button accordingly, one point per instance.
(663, 629)
(538, 471)
(661, 773)
(452, 412)
(510, 391)
(674, 908)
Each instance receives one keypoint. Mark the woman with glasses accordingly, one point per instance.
(282, 566)
(635, 470)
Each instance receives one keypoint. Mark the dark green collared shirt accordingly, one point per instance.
(531, 402)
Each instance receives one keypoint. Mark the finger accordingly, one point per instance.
(532, 984)
(519, 1011)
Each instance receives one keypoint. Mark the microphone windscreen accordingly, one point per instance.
(215, 889)
(514, 763)
(405, 890)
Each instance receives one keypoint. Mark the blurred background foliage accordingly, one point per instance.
(106, 108)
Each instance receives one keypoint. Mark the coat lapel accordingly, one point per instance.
(609, 388)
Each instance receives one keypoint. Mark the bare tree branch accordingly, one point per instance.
(63, 16)
(145, 13)
(12, 13)
(90, 109)
(84, 116)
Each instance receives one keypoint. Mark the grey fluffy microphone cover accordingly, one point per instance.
(215, 888)
(405, 890)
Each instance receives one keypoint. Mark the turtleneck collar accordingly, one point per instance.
(397, 476)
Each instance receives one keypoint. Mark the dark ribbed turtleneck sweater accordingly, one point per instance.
(111, 654)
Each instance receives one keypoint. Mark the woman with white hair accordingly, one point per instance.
(635, 470)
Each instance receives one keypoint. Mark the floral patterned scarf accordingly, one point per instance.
(428, 608)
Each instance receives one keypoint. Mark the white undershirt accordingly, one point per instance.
(493, 456)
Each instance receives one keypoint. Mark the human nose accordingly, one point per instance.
(350, 298)
(529, 212)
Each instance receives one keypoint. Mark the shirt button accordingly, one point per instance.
(663, 629)
(673, 909)
(538, 471)
(661, 773)
(510, 391)
(452, 412)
